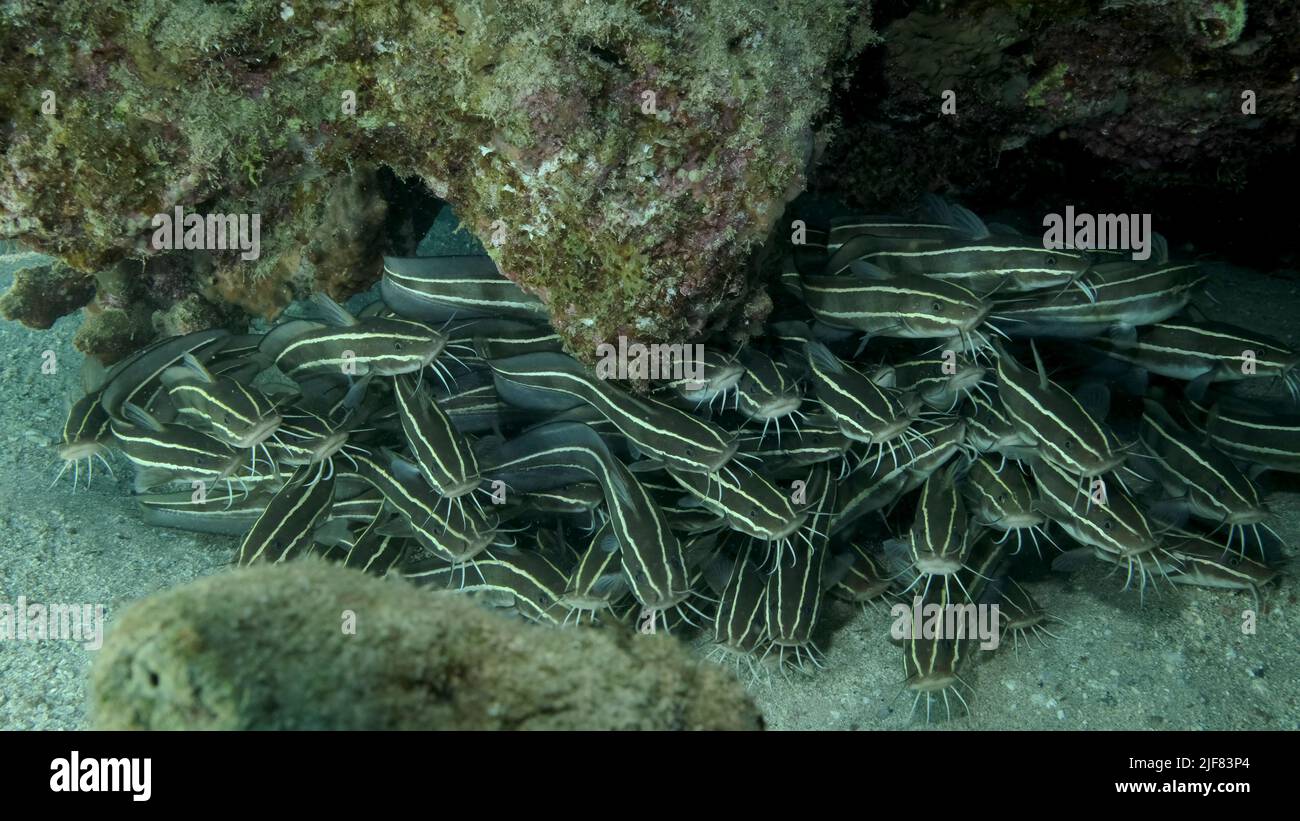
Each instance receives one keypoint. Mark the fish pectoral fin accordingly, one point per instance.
(959, 217)
(862, 268)
(1197, 388)
(330, 312)
(1094, 397)
(836, 568)
(1038, 365)
(1072, 560)
(1173, 511)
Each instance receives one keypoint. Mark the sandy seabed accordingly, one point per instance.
(1176, 660)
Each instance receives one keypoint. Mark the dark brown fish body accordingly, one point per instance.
(596, 584)
(284, 530)
(238, 415)
(1204, 562)
(173, 453)
(739, 625)
(932, 664)
(1050, 417)
(1268, 437)
(940, 539)
(1212, 485)
(905, 307)
(897, 467)
(1216, 351)
(1114, 295)
(866, 579)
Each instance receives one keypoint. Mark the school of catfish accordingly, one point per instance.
(935, 404)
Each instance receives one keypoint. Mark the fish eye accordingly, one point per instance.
(1107, 524)
(690, 450)
(397, 346)
(1002, 498)
(1069, 444)
(1051, 259)
(936, 307)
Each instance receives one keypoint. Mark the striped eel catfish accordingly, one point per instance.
(929, 378)
(947, 642)
(499, 338)
(747, 501)
(865, 580)
(792, 338)
(861, 233)
(657, 429)
(172, 453)
(1205, 352)
(864, 411)
(1158, 563)
(1051, 418)
(986, 563)
(650, 553)
(907, 306)
(86, 436)
(810, 254)
(1207, 480)
(285, 528)
(454, 534)
(1204, 562)
(1116, 529)
(686, 513)
(1024, 615)
(721, 374)
(480, 409)
(307, 438)
(767, 391)
(434, 289)
(980, 262)
(239, 415)
(442, 453)
(524, 580)
(345, 345)
(817, 440)
(579, 497)
(1119, 295)
(1001, 497)
(134, 380)
(990, 430)
(370, 550)
(940, 438)
(218, 512)
(796, 586)
(739, 623)
(932, 664)
(597, 582)
(940, 539)
(871, 489)
(356, 506)
(1265, 435)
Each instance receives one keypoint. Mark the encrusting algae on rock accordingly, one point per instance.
(308, 645)
(619, 159)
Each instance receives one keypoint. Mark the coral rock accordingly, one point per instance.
(43, 293)
(620, 158)
(270, 648)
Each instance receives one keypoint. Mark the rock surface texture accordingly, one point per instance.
(306, 645)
